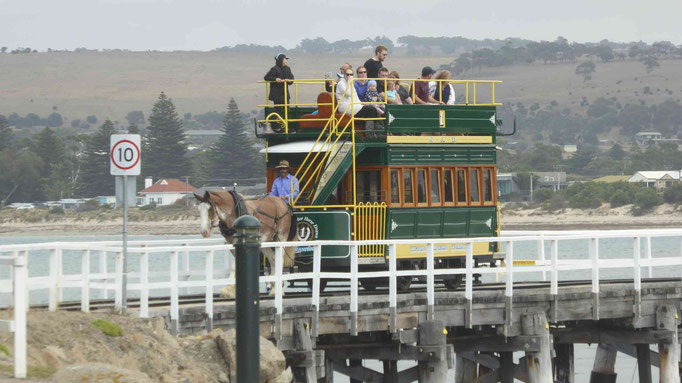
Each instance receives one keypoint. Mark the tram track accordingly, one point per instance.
(184, 300)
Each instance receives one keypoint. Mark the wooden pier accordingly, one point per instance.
(542, 325)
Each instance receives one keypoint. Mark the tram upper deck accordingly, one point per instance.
(471, 121)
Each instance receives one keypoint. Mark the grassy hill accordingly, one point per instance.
(110, 84)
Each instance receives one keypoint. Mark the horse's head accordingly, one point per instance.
(215, 206)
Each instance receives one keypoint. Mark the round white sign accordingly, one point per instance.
(125, 154)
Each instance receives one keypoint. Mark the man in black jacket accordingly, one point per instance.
(281, 76)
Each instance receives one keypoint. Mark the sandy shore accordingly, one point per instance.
(665, 216)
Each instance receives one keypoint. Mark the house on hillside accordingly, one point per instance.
(646, 138)
(569, 151)
(550, 180)
(164, 191)
(656, 179)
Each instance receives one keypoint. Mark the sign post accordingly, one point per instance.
(126, 161)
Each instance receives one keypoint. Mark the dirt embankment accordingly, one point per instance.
(104, 347)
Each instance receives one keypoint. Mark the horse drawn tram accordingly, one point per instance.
(413, 171)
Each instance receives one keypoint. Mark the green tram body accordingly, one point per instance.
(448, 143)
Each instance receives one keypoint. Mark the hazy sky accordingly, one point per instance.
(207, 24)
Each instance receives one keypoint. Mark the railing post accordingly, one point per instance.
(430, 298)
(53, 303)
(20, 306)
(185, 267)
(103, 271)
(594, 256)
(509, 288)
(209, 290)
(85, 277)
(174, 304)
(392, 289)
(247, 248)
(469, 285)
(541, 254)
(647, 252)
(354, 290)
(317, 263)
(118, 297)
(554, 277)
(278, 292)
(144, 284)
(637, 279)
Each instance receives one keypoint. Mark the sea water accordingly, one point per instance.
(626, 366)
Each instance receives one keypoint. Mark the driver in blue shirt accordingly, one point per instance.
(281, 187)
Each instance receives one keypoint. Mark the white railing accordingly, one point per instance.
(17, 263)
(583, 252)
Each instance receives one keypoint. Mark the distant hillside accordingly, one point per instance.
(111, 84)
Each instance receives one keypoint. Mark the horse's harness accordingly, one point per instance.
(240, 206)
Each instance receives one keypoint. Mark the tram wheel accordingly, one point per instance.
(453, 283)
(368, 284)
(323, 284)
(404, 283)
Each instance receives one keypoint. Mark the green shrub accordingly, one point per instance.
(647, 198)
(89, 205)
(4, 349)
(557, 202)
(56, 210)
(148, 207)
(673, 194)
(108, 328)
(542, 195)
(620, 198)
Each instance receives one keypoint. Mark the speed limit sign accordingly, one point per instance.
(125, 155)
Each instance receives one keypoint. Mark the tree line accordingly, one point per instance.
(47, 167)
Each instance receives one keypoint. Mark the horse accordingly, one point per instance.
(278, 223)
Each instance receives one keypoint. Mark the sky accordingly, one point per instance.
(207, 24)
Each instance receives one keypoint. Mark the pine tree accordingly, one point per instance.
(5, 133)
(94, 178)
(164, 149)
(234, 156)
(50, 149)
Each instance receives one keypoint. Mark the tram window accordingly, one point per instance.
(473, 178)
(461, 186)
(421, 186)
(395, 187)
(369, 186)
(407, 189)
(435, 186)
(448, 197)
(487, 185)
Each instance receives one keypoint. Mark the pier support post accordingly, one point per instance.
(564, 363)
(355, 363)
(465, 370)
(669, 352)
(603, 370)
(435, 370)
(506, 367)
(644, 362)
(390, 371)
(539, 362)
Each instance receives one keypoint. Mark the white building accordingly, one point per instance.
(657, 179)
(164, 191)
(644, 138)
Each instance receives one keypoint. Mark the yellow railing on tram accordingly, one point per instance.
(370, 224)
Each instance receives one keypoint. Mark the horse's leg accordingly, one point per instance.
(269, 253)
(230, 291)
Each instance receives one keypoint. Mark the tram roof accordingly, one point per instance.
(297, 147)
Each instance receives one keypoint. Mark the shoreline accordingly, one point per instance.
(526, 221)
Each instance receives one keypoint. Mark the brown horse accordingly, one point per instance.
(278, 224)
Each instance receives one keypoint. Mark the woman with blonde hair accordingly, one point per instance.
(441, 89)
(403, 91)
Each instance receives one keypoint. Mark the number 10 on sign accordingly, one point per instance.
(125, 154)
